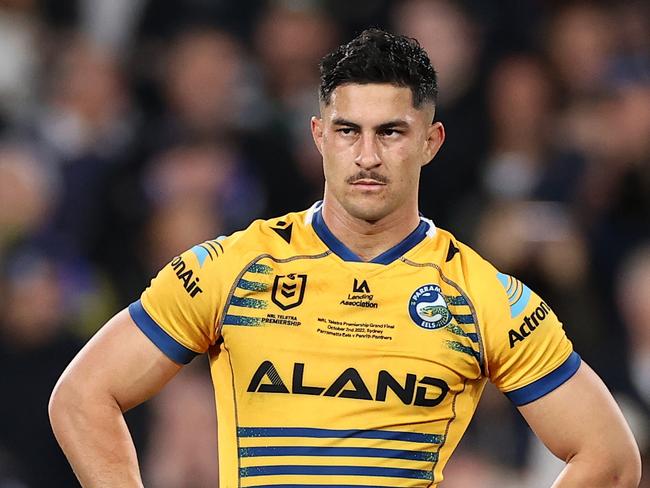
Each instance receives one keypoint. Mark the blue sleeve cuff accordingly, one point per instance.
(167, 344)
(546, 384)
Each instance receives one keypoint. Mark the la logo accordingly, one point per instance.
(360, 288)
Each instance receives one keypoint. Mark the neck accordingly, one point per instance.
(369, 239)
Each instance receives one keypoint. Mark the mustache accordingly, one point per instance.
(367, 175)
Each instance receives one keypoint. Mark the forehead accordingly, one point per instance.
(372, 103)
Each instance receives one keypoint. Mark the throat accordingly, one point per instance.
(368, 240)
(369, 246)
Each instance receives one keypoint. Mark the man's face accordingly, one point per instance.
(374, 143)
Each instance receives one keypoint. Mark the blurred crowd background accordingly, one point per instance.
(132, 129)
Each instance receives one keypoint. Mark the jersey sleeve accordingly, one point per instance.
(178, 312)
(527, 351)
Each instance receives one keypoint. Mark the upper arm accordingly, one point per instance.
(580, 419)
(141, 348)
(119, 363)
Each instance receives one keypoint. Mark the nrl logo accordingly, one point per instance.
(289, 290)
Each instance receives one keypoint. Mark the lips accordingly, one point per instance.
(368, 182)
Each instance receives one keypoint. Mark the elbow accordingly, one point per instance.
(630, 474)
(76, 402)
(605, 468)
(66, 406)
(626, 473)
(60, 404)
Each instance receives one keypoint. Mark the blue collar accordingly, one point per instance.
(387, 257)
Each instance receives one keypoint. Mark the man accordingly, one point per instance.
(349, 344)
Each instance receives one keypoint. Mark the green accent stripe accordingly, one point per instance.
(458, 347)
(458, 300)
(252, 285)
(260, 269)
(241, 320)
(454, 329)
(249, 302)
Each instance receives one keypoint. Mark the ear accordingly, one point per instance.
(317, 132)
(435, 138)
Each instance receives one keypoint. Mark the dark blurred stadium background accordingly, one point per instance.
(132, 129)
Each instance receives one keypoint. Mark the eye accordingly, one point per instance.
(392, 133)
(346, 131)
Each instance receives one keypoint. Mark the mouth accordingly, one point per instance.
(368, 183)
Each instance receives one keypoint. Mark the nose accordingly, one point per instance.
(368, 156)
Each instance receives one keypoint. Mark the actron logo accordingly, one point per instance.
(530, 323)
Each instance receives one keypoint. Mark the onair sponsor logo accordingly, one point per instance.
(190, 283)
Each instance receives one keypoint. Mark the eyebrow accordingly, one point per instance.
(400, 123)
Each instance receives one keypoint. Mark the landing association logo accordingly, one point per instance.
(428, 308)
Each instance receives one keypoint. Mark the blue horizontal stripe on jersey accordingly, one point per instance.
(372, 452)
(241, 320)
(167, 344)
(252, 285)
(464, 319)
(338, 434)
(248, 302)
(546, 384)
(314, 486)
(418, 474)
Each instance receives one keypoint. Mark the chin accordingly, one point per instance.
(369, 213)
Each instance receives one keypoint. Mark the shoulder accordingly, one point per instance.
(282, 236)
(462, 266)
(454, 257)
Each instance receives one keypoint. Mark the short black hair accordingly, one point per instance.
(376, 56)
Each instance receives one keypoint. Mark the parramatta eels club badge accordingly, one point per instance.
(428, 307)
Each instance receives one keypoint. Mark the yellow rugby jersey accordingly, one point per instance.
(330, 371)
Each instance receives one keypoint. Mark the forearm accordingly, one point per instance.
(94, 437)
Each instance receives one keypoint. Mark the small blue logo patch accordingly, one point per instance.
(201, 253)
(428, 307)
(518, 294)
